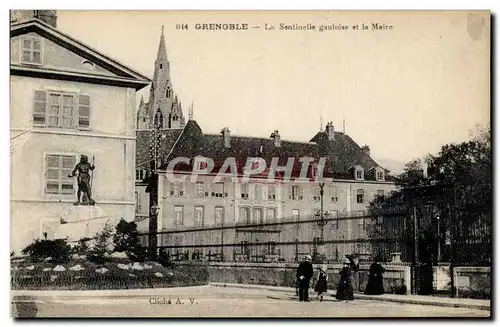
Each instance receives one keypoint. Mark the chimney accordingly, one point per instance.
(366, 150)
(226, 136)
(47, 16)
(330, 131)
(277, 140)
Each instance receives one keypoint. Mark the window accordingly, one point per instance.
(244, 191)
(257, 216)
(271, 215)
(198, 216)
(333, 194)
(245, 215)
(380, 175)
(334, 224)
(218, 190)
(178, 215)
(295, 214)
(380, 193)
(158, 120)
(244, 247)
(140, 174)
(271, 192)
(271, 248)
(359, 173)
(316, 194)
(360, 196)
(169, 92)
(260, 192)
(199, 189)
(296, 193)
(61, 109)
(32, 50)
(361, 225)
(177, 190)
(219, 216)
(58, 167)
(138, 207)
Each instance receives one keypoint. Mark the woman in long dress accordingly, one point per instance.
(344, 288)
(321, 284)
(375, 284)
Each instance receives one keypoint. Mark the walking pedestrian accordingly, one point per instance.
(304, 275)
(321, 283)
(375, 284)
(344, 288)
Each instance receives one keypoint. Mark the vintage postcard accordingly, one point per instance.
(250, 164)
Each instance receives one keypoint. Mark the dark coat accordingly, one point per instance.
(375, 284)
(305, 269)
(321, 284)
(344, 288)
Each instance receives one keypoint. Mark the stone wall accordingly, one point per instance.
(396, 277)
(472, 282)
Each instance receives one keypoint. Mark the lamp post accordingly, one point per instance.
(321, 221)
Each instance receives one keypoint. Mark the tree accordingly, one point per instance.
(99, 252)
(452, 196)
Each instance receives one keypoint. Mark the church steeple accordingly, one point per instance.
(162, 104)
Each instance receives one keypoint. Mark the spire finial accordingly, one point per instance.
(343, 125)
(320, 122)
(191, 109)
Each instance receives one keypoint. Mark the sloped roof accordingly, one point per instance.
(193, 142)
(124, 73)
(143, 145)
(341, 153)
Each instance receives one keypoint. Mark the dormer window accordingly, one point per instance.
(31, 50)
(359, 173)
(380, 175)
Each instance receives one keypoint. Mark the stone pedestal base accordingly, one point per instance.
(82, 221)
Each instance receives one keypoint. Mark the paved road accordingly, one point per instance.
(207, 301)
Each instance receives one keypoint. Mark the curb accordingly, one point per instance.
(394, 299)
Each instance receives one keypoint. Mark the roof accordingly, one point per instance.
(341, 153)
(125, 75)
(143, 144)
(193, 142)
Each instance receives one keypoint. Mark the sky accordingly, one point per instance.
(404, 92)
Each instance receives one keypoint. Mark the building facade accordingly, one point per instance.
(67, 99)
(202, 216)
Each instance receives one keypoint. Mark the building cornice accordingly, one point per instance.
(74, 133)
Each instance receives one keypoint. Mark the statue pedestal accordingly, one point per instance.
(82, 221)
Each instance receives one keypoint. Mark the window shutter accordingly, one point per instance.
(39, 108)
(83, 111)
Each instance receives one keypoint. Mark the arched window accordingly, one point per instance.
(158, 119)
(169, 92)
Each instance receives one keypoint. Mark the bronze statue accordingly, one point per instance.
(84, 181)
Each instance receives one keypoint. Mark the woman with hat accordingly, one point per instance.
(344, 288)
(375, 284)
(321, 285)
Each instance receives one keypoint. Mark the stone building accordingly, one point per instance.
(195, 210)
(67, 99)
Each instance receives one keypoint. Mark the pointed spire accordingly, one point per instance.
(141, 104)
(343, 125)
(162, 49)
(191, 111)
(321, 123)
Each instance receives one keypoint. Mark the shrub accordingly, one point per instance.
(100, 251)
(164, 258)
(82, 247)
(57, 250)
(126, 239)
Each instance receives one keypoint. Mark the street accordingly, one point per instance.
(209, 301)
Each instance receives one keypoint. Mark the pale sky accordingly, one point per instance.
(404, 92)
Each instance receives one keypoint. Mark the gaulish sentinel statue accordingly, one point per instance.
(84, 194)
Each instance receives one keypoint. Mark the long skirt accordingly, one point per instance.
(344, 290)
(375, 285)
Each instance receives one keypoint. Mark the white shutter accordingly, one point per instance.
(39, 108)
(83, 111)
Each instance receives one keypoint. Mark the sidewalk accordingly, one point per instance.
(408, 299)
